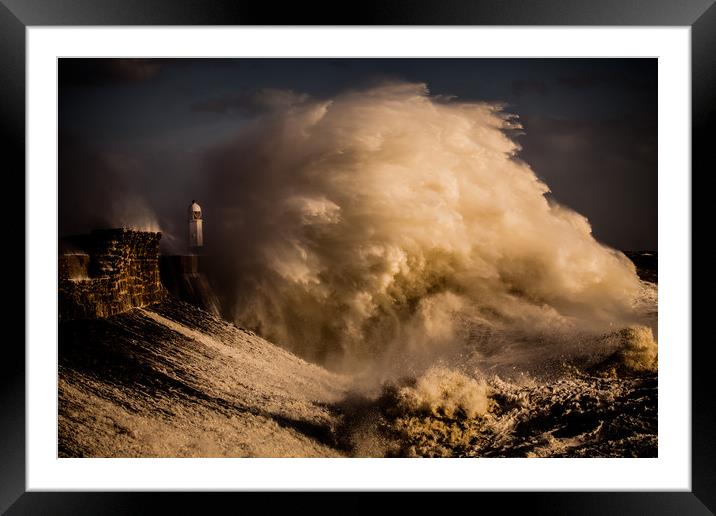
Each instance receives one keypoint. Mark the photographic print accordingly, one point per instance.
(376, 257)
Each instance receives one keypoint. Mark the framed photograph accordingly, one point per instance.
(420, 248)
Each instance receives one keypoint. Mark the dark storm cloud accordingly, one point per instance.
(98, 188)
(574, 136)
(522, 87)
(586, 80)
(97, 72)
(623, 79)
(251, 103)
(88, 182)
(605, 169)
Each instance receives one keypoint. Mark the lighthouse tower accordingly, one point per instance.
(196, 236)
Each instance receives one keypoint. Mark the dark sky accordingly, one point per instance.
(142, 127)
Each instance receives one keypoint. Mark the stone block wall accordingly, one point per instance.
(120, 272)
(74, 266)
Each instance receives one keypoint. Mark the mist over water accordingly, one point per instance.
(386, 229)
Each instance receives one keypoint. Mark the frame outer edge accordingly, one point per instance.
(703, 408)
(371, 12)
(12, 363)
(548, 504)
(15, 14)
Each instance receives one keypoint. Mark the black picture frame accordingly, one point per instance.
(16, 15)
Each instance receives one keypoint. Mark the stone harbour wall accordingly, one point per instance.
(108, 272)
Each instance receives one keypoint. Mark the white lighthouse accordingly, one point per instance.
(196, 236)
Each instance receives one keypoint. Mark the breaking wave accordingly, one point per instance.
(382, 228)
